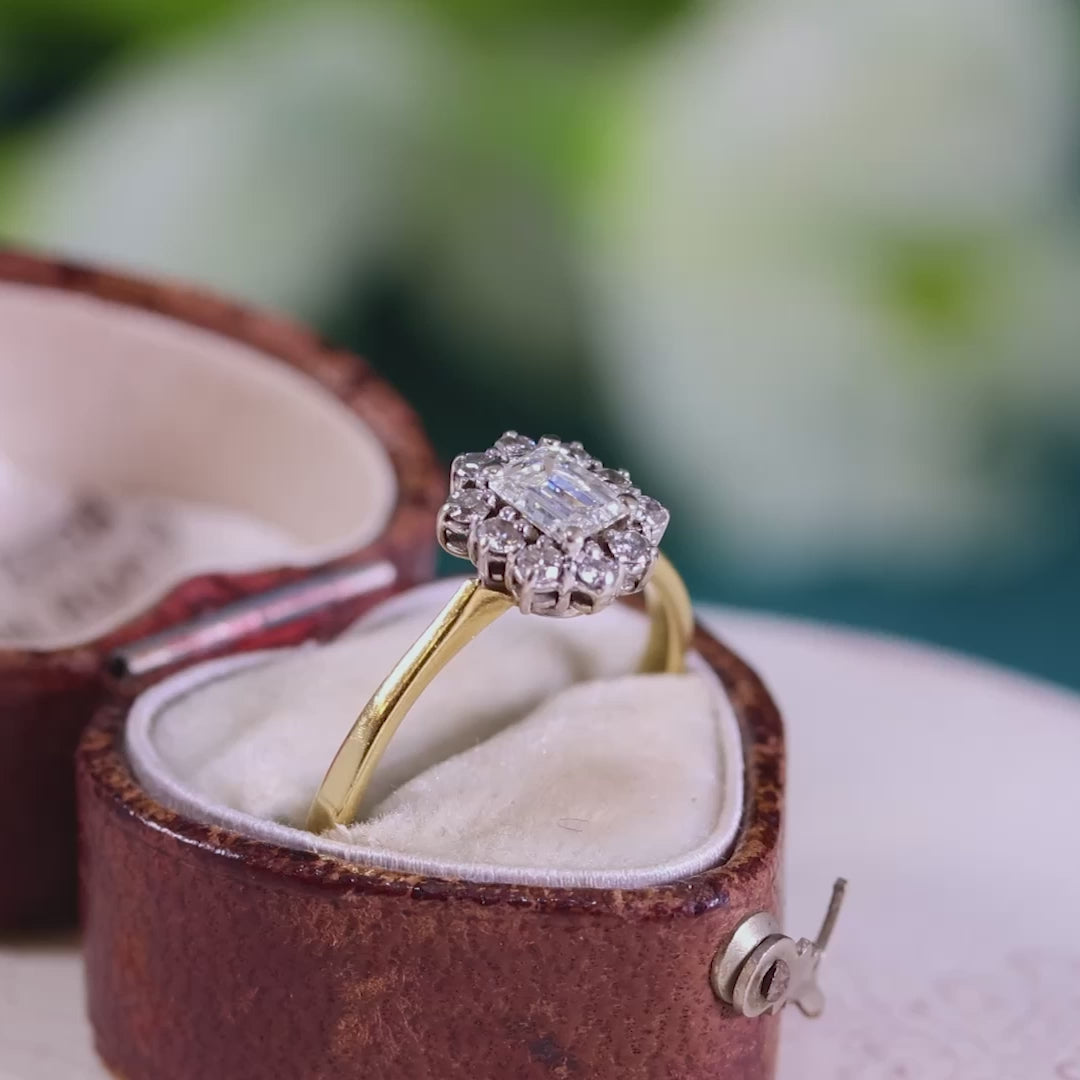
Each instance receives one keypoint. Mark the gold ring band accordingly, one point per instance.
(473, 607)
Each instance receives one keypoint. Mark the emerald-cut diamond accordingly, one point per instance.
(548, 524)
(557, 494)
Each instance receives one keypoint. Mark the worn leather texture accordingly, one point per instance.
(47, 697)
(209, 954)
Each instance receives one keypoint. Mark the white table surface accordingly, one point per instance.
(945, 790)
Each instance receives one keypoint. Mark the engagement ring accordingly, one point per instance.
(550, 531)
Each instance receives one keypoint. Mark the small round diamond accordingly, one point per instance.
(538, 566)
(469, 506)
(617, 478)
(629, 546)
(473, 469)
(596, 571)
(576, 452)
(500, 536)
(652, 517)
(513, 445)
(635, 555)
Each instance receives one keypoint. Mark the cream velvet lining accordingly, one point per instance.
(531, 758)
(203, 454)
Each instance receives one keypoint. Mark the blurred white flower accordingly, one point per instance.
(837, 283)
(273, 157)
(289, 154)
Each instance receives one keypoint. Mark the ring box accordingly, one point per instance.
(135, 388)
(221, 945)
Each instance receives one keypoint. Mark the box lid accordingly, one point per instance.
(113, 387)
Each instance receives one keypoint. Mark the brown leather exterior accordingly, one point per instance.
(212, 955)
(45, 698)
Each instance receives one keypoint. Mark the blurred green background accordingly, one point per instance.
(809, 268)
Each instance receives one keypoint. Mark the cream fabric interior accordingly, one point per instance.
(532, 758)
(136, 450)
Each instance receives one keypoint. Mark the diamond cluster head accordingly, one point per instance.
(549, 524)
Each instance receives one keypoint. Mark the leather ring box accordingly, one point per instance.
(123, 381)
(212, 951)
